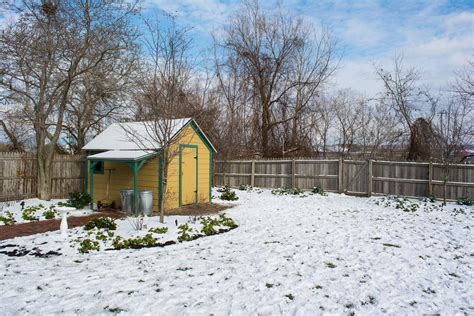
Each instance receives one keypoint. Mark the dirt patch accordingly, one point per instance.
(199, 209)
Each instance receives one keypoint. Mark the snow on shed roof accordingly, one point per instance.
(120, 136)
(122, 155)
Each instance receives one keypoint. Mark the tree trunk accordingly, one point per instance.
(44, 177)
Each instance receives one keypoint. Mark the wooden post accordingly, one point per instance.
(369, 185)
(135, 187)
(340, 174)
(293, 173)
(252, 174)
(430, 179)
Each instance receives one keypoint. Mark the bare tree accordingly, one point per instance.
(44, 53)
(411, 104)
(282, 59)
(162, 91)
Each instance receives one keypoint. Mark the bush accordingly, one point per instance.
(50, 214)
(101, 223)
(229, 195)
(29, 213)
(226, 221)
(88, 245)
(223, 189)
(318, 190)
(464, 201)
(8, 218)
(134, 243)
(185, 233)
(78, 200)
(159, 230)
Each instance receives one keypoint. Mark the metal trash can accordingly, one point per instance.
(145, 202)
(126, 196)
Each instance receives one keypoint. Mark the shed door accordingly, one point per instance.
(189, 175)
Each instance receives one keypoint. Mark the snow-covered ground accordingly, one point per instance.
(39, 207)
(289, 255)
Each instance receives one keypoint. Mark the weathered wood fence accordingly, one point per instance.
(352, 177)
(18, 174)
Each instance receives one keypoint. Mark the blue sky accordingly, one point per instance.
(435, 36)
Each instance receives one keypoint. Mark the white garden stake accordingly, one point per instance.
(63, 210)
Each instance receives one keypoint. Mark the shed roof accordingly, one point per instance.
(122, 155)
(138, 135)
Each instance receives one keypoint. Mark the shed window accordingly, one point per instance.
(99, 167)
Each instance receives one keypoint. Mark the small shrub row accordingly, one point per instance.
(159, 230)
(134, 242)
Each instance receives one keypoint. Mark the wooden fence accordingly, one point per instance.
(352, 177)
(18, 174)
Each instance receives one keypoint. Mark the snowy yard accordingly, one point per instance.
(289, 255)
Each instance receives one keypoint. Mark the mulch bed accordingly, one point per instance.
(27, 229)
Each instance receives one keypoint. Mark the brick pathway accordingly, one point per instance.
(26, 229)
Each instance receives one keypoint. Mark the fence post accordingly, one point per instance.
(293, 173)
(430, 179)
(252, 174)
(369, 185)
(340, 174)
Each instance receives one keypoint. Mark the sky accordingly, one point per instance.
(435, 36)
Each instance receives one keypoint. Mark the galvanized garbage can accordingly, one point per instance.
(126, 196)
(145, 202)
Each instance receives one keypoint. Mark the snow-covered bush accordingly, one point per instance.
(159, 230)
(101, 223)
(464, 201)
(88, 245)
(318, 190)
(229, 195)
(50, 213)
(185, 233)
(29, 213)
(8, 218)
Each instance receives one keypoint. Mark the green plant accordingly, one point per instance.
(134, 242)
(101, 223)
(8, 218)
(464, 201)
(318, 190)
(159, 230)
(226, 221)
(229, 195)
(50, 213)
(87, 245)
(79, 200)
(29, 213)
(185, 233)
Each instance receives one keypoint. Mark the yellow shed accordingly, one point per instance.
(116, 161)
